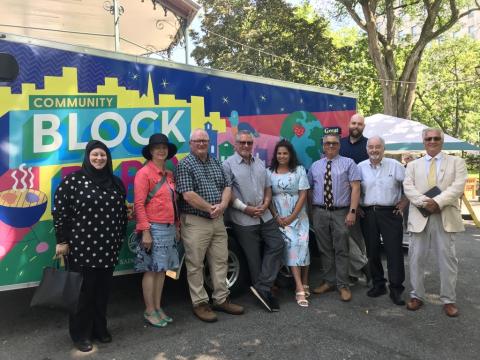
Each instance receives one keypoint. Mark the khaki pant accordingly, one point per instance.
(208, 238)
(443, 245)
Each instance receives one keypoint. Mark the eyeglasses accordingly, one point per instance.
(433, 138)
(331, 143)
(245, 143)
(200, 141)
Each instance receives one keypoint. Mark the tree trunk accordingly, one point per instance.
(398, 92)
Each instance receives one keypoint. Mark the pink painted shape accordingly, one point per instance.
(271, 124)
(69, 169)
(10, 237)
(41, 247)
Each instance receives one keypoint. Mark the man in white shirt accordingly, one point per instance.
(382, 203)
(436, 229)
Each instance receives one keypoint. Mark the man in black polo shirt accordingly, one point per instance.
(354, 146)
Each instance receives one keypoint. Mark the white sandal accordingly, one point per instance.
(306, 288)
(301, 302)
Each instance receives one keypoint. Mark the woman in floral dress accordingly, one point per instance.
(289, 189)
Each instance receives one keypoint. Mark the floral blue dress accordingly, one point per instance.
(285, 188)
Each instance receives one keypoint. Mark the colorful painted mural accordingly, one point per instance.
(63, 97)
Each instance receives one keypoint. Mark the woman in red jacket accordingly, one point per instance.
(156, 216)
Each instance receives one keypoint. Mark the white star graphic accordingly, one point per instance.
(263, 98)
(134, 76)
(208, 88)
(225, 99)
(301, 101)
(164, 83)
(282, 109)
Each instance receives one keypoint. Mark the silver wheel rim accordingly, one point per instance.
(233, 272)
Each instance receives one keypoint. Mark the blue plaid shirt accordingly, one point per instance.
(206, 178)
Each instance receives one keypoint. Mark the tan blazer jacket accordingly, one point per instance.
(451, 179)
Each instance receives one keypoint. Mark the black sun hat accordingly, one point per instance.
(157, 139)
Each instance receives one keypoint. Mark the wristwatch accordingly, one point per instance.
(353, 211)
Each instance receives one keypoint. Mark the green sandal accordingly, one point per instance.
(162, 316)
(160, 323)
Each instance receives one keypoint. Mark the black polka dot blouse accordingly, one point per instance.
(91, 220)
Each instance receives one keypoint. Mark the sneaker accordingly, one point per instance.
(263, 296)
(229, 308)
(204, 312)
(274, 305)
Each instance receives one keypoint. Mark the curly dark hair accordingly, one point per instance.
(292, 162)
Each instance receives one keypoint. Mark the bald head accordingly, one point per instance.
(356, 126)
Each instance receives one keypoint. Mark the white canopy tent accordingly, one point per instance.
(406, 135)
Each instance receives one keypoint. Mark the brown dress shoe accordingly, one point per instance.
(451, 310)
(414, 304)
(229, 308)
(322, 289)
(345, 294)
(204, 312)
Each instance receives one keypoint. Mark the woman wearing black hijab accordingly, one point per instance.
(90, 219)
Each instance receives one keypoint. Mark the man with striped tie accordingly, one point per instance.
(434, 185)
(334, 193)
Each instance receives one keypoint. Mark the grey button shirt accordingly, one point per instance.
(381, 184)
(249, 181)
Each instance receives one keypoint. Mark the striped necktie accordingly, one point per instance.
(327, 186)
(432, 173)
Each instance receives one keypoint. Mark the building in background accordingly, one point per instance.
(144, 27)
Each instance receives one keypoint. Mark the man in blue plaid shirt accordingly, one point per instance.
(205, 192)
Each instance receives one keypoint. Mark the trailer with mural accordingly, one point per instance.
(63, 96)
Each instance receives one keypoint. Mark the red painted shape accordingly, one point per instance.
(299, 130)
(7, 180)
(9, 198)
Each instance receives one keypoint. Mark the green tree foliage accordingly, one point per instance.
(339, 59)
(272, 26)
(448, 89)
(385, 22)
(356, 71)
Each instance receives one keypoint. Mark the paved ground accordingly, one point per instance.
(329, 329)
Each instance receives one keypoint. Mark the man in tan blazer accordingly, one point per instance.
(437, 230)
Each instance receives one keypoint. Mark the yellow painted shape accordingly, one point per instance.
(47, 172)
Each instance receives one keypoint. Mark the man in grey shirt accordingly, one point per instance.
(253, 224)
